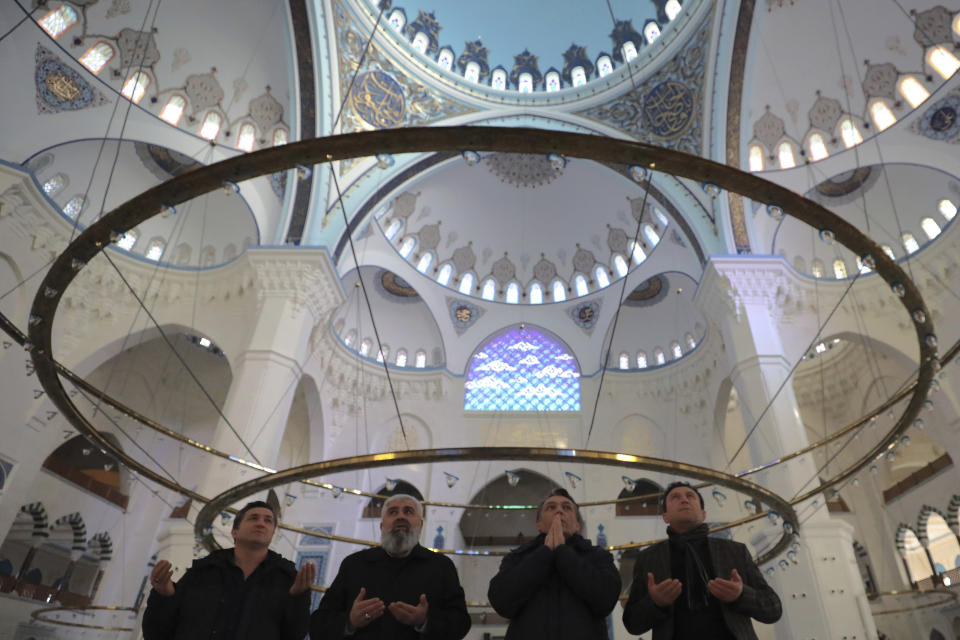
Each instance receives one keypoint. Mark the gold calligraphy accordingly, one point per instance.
(62, 86)
(668, 109)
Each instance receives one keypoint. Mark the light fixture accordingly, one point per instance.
(629, 483)
(719, 496)
(390, 484)
(451, 479)
(513, 478)
(573, 479)
(289, 499)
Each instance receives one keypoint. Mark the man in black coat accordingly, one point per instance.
(396, 591)
(558, 586)
(244, 593)
(692, 586)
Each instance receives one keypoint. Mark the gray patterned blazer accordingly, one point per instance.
(758, 599)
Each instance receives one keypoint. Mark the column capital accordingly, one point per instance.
(306, 277)
(731, 283)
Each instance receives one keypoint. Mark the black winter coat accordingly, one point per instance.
(269, 612)
(560, 594)
(392, 580)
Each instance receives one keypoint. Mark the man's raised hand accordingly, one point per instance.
(364, 611)
(414, 616)
(161, 578)
(304, 579)
(663, 593)
(726, 590)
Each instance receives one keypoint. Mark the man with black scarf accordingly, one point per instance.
(695, 587)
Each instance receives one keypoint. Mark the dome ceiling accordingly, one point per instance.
(516, 218)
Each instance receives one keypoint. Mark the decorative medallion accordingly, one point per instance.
(522, 169)
(390, 283)
(203, 90)
(266, 111)
(60, 88)
(768, 129)
(941, 121)
(463, 314)
(278, 182)
(585, 314)
(825, 113)
(504, 270)
(847, 183)
(162, 162)
(117, 8)
(429, 237)
(648, 293)
(933, 26)
(138, 49)
(464, 258)
(668, 109)
(617, 240)
(378, 99)
(880, 80)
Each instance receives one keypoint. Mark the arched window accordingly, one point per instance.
(210, 128)
(55, 185)
(173, 110)
(676, 350)
(839, 269)
(247, 137)
(443, 276)
(553, 81)
(944, 62)
(525, 83)
(208, 256)
(861, 267)
(604, 66)
(426, 259)
(650, 234)
(881, 115)
(580, 285)
(641, 360)
(489, 290)
(421, 41)
(472, 72)
(280, 137)
(918, 565)
(74, 206)
(155, 249)
(786, 156)
(397, 19)
(445, 59)
(658, 356)
(799, 263)
(909, 242)
(401, 359)
(661, 218)
(578, 76)
(930, 227)
(756, 157)
(498, 80)
(351, 338)
(956, 25)
(365, 346)
(135, 86)
(466, 284)
(672, 9)
(629, 51)
(536, 293)
(229, 252)
(128, 240)
(382, 353)
(651, 31)
(421, 359)
(601, 277)
(407, 246)
(887, 250)
(96, 57)
(182, 254)
(816, 268)
(393, 228)
(522, 369)
(620, 265)
(559, 291)
(947, 209)
(513, 293)
(942, 543)
(624, 360)
(817, 147)
(58, 20)
(850, 133)
(639, 255)
(912, 90)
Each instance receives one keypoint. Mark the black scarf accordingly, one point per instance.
(696, 575)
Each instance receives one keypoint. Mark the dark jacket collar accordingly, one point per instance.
(223, 558)
(576, 541)
(377, 554)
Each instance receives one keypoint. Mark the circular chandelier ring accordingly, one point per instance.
(38, 615)
(195, 183)
(949, 597)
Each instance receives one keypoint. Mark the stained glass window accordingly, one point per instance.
(211, 126)
(945, 63)
(850, 133)
(756, 157)
(691, 343)
(948, 209)
(127, 240)
(536, 293)
(817, 268)
(604, 66)
(421, 360)
(55, 185)
(401, 360)
(624, 360)
(559, 291)
(638, 253)
(425, 261)
(913, 91)
(881, 114)
(466, 284)
(58, 20)
(446, 59)
(397, 19)
(365, 346)
(135, 86)
(499, 79)
(672, 9)
(629, 50)
(658, 356)
(421, 41)
(661, 218)
(887, 250)
(652, 236)
(579, 76)
(173, 110)
(931, 228)
(600, 275)
(513, 293)
(280, 137)
(443, 276)
(676, 351)
(522, 370)
(818, 147)
(839, 269)
(580, 284)
(620, 265)
(489, 289)
(910, 243)
(553, 81)
(74, 206)
(247, 137)
(155, 249)
(97, 56)
(472, 72)
(641, 360)
(525, 85)
(406, 248)
(785, 155)
(651, 31)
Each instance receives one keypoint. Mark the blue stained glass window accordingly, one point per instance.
(522, 370)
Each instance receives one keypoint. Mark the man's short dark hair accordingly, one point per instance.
(563, 493)
(259, 504)
(671, 487)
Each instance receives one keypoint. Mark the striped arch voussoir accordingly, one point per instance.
(41, 523)
(75, 520)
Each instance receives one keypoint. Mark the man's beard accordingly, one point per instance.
(398, 542)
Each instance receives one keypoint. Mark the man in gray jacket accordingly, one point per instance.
(692, 586)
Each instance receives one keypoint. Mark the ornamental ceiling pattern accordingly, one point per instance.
(666, 109)
(60, 87)
(382, 95)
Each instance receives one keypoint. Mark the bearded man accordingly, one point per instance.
(398, 590)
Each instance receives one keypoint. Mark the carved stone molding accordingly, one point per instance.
(307, 277)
